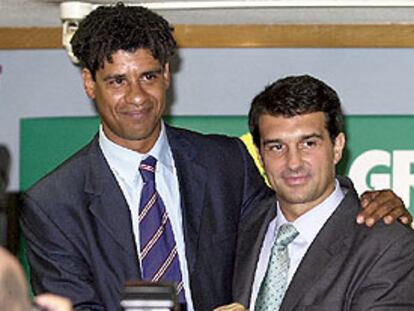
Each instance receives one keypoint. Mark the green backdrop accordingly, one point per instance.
(380, 149)
(46, 142)
(379, 154)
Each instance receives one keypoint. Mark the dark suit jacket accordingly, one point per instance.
(347, 267)
(79, 231)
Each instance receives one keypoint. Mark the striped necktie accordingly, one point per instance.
(273, 287)
(158, 250)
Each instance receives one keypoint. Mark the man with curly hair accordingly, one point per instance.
(82, 222)
(90, 223)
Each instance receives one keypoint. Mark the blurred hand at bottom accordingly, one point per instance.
(231, 307)
(52, 302)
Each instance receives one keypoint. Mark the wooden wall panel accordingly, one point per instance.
(30, 38)
(249, 36)
(340, 36)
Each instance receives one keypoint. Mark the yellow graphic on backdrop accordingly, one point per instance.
(248, 141)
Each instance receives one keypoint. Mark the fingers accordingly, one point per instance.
(407, 220)
(367, 197)
(52, 302)
(382, 204)
(375, 206)
(231, 307)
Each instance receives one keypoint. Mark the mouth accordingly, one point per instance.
(137, 113)
(295, 181)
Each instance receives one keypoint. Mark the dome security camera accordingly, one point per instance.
(71, 13)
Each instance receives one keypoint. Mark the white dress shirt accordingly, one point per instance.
(124, 164)
(308, 226)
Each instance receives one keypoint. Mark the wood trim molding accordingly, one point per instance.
(30, 38)
(244, 36)
(284, 36)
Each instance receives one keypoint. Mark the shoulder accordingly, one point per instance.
(197, 137)
(343, 222)
(382, 238)
(205, 145)
(68, 176)
(225, 160)
(394, 236)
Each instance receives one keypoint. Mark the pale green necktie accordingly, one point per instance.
(273, 287)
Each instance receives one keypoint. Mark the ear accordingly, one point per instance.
(89, 83)
(339, 147)
(167, 76)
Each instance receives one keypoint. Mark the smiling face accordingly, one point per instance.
(299, 159)
(130, 97)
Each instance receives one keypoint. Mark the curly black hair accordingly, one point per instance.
(297, 95)
(109, 29)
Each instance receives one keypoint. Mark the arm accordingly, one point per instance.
(57, 265)
(383, 204)
(389, 284)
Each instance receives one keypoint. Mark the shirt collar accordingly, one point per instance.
(162, 150)
(310, 223)
(122, 159)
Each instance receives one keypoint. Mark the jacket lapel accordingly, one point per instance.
(108, 204)
(192, 180)
(251, 235)
(312, 267)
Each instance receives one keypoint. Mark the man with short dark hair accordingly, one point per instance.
(143, 200)
(307, 252)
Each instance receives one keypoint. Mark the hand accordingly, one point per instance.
(383, 204)
(52, 302)
(231, 307)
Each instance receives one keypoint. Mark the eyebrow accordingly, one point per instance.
(156, 71)
(313, 135)
(271, 141)
(115, 76)
(304, 137)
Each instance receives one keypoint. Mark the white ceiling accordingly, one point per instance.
(45, 13)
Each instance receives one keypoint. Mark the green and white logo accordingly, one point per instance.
(380, 154)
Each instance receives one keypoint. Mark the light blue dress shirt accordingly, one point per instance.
(124, 164)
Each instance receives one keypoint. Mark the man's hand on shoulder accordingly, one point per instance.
(382, 204)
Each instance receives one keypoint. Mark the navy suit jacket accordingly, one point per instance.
(79, 231)
(347, 267)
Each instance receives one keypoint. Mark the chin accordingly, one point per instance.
(295, 199)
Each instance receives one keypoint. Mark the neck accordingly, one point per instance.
(294, 210)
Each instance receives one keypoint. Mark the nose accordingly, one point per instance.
(294, 159)
(135, 94)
